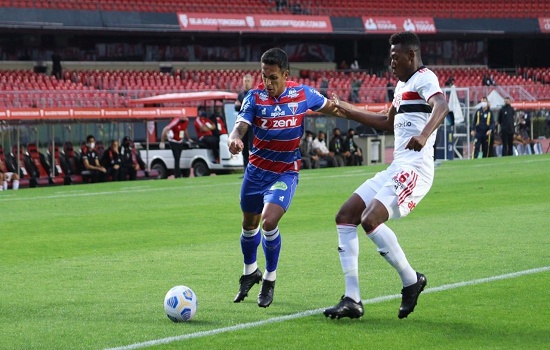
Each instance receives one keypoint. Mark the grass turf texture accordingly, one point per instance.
(87, 267)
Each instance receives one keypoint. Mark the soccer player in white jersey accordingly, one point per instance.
(418, 108)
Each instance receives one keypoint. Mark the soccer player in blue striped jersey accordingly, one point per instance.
(418, 108)
(275, 111)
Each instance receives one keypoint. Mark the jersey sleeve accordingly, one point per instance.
(315, 101)
(248, 107)
(428, 85)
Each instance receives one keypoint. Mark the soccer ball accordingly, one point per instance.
(180, 304)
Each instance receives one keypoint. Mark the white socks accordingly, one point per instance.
(389, 248)
(348, 249)
(14, 185)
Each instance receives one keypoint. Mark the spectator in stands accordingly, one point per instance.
(450, 81)
(488, 80)
(323, 87)
(321, 150)
(176, 133)
(207, 132)
(57, 71)
(131, 158)
(309, 159)
(390, 91)
(343, 65)
(281, 5)
(112, 161)
(90, 162)
(355, 155)
(336, 146)
(355, 65)
(484, 125)
(7, 176)
(296, 8)
(506, 124)
(248, 138)
(354, 90)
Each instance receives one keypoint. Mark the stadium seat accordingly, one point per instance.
(37, 165)
(71, 162)
(56, 164)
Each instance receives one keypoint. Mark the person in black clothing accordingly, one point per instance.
(336, 145)
(112, 161)
(131, 158)
(92, 169)
(355, 156)
(56, 66)
(248, 137)
(506, 123)
(484, 125)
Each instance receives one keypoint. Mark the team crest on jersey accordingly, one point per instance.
(277, 112)
(397, 101)
(293, 106)
(279, 185)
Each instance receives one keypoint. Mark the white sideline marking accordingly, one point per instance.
(318, 311)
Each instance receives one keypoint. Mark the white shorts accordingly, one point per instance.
(400, 189)
(8, 176)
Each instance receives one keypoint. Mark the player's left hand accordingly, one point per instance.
(416, 143)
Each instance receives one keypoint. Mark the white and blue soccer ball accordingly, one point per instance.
(180, 304)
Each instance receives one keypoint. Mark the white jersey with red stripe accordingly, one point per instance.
(413, 113)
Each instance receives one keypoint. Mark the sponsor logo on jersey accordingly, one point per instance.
(245, 106)
(279, 185)
(279, 123)
(263, 96)
(402, 125)
(264, 111)
(292, 93)
(277, 112)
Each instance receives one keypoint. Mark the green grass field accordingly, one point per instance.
(87, 266)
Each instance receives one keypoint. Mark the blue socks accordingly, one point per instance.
(271, 244)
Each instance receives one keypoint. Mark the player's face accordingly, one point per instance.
(400, 62)
(274, 79)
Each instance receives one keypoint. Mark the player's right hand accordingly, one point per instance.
(161, 145)
(235, 145)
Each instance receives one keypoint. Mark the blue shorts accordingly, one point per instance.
(279, 191)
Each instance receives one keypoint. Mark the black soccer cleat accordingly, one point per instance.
(410, 296)
(347, 307)
(265, 298)
(246, 282)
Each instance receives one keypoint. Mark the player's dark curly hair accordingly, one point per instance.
(406, 39)
(275, 56)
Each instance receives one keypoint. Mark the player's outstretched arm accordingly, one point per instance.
(234, 141)
(379, 121)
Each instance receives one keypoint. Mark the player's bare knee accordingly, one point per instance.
(269, 224)
(369, 222)
(343, 217)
